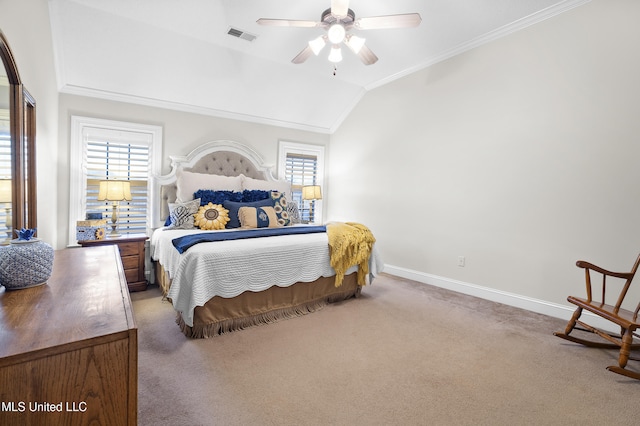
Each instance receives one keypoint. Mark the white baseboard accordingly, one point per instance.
(516, 300)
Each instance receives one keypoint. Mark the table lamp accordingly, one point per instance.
(311, 193)
(114, 191)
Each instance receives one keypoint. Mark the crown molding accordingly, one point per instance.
(194, 109)
(503, 31)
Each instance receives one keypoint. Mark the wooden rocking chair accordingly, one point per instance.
(625, 319)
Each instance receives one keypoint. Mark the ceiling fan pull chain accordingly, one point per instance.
(335, 68)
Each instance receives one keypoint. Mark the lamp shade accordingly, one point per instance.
(5, 190)
(114, 190)
(311, 192)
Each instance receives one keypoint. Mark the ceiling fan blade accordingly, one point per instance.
(339, 7)
(388, 21)
(288, 23)
(367, 56)
(303, 55)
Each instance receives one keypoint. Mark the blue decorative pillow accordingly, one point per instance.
(250, 195)
(233, 207)
(280, 206)
(216, 197)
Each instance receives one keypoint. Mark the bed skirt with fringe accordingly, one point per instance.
(221, 315)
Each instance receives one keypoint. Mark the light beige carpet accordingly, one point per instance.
(404, 353)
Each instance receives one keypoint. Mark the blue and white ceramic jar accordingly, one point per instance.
(26, 262)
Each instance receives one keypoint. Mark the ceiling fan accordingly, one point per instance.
(337, 21)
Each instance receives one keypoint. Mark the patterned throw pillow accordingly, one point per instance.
(294, 213)
(280, 205)
(181, 214)
(212, 216)
(258, 217)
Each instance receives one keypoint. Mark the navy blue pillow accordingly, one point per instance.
(233, 207)
(216, 197)
(249, 195)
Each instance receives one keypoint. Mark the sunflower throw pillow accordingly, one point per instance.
(280, 206)
(211, 216)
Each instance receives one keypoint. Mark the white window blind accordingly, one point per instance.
(302, 165)
(5, 174)
(106, 160)
(302, 170)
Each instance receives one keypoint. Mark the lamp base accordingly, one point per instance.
(114, 233)
(114, 222)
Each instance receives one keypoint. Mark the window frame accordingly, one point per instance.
(288, 147)
(77, 165)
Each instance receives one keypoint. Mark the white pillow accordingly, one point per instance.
(266, 185)
(190, 182)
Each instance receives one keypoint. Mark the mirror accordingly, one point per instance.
(5, 159)
(29, 161)
(17, 150)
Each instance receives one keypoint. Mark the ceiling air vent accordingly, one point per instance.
(241, 34)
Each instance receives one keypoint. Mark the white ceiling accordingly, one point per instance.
(177, 54)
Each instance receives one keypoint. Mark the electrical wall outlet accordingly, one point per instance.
(460, 260)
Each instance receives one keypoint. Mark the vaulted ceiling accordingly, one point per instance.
(178, 54)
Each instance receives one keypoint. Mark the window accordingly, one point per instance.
(303, 165)
(111, 150)
(5, 177)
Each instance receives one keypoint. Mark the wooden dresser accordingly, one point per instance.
(69, 348)
(131, 248)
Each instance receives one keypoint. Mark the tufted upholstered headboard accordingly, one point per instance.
(223, 157)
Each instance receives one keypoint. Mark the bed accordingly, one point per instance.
(227, 279)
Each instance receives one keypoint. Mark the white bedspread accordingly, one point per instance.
(229, 268)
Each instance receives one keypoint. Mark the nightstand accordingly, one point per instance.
(131, 248)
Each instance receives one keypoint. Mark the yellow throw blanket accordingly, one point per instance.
(350, 244)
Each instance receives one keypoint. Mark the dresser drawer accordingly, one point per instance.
(131, 249)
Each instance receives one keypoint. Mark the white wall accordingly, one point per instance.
(25, 23)
(182, 132)
(521, 155)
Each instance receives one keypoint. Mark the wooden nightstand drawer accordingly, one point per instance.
(131, 275)
(129, 249)
(130, 262)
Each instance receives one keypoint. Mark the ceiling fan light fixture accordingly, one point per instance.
(336, 33)
(317, 44)
(335, 55)
(337, 21)
(355, 43)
